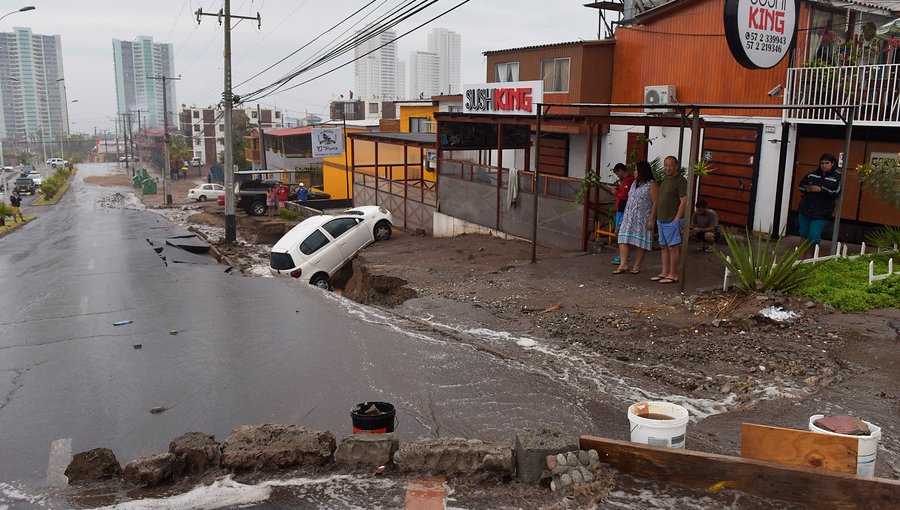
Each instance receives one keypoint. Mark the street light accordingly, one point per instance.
(23, 9)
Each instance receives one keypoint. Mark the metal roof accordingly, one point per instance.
(888, 5)
(305, 130)
(419, 139)
(552, 45)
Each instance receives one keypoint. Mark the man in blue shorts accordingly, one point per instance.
(669, 219)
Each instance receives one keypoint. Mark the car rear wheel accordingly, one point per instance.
(321, 281)
(382, 230)
(202, 198)
(258, 208)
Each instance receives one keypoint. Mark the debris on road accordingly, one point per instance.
(122, 323)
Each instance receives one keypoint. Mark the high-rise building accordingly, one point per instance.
(377, 73)
(424, 67)
(138, 65)
(32, 89)
(445, 44)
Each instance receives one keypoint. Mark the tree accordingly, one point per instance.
(178, 151)
(240, 127)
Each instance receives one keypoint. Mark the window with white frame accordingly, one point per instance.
(373, 107)
(555, 73)
(507, 71)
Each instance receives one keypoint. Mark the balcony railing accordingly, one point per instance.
(875, 89)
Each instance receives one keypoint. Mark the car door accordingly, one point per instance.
(321, 252)
(347, 234)
(217, 190)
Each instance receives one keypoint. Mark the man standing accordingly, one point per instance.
(669, 218)
(820, 189)
(302, 193)
(16, 202)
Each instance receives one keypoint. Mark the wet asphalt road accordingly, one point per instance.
(247, 351)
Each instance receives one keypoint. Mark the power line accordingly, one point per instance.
(256, 97)
(354, 42)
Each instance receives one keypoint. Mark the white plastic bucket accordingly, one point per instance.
(667, 433)
(866, 449)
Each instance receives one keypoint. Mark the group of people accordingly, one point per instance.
(648, 205)
(642, 204)
(276, 196)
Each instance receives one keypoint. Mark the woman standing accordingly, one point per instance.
(820, 188)
(639, 219)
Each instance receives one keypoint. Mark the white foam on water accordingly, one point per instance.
(10, 494)
(226, 492)
(261, 270)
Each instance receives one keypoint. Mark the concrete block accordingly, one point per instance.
(366, 450)
(456, 456)
(195, 453)
(150, 470)
(534, 446)
(272, 446)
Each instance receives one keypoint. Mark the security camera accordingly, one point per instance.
(775, 90)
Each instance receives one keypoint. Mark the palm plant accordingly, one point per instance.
(886, 238)
(5, 211)
(759, 267)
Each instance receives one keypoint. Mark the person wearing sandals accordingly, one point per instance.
(625, 182)
(705, 226)
(672, 199)
(638, 219)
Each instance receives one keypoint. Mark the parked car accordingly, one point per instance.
(24, 185)
(195, 162)
(204, 192)
(24, 170)
(9, 169)
(251, 195)
(315, 249)
(36, 177)
(55, 162)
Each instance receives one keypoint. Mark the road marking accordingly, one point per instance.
(60, 455)
(426, 494)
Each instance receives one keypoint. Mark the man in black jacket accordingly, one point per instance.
(820, 189)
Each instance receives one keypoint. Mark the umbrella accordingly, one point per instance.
(888, 30)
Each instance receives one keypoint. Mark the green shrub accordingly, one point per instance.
(760, 268)
(51, 186)
(5, 211)
(288, 214)
(844, 284)
(887, 238)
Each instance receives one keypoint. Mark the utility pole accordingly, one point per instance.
(262, 141)
(167, 163)
(124, 141)
(230, 223)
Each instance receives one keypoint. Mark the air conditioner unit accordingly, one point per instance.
(659, 94)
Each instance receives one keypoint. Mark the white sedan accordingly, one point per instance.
(37, 178)
(205, 192)
(319, 246)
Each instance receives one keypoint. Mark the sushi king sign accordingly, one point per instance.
(503, 98)
(760, 33)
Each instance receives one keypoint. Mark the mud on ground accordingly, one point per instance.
(707, 347)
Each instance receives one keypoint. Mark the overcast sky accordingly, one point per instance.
(87, 28)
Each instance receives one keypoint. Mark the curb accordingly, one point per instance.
(216, 253)
(15, 226)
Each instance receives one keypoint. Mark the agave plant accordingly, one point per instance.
(759, 267)
(5, 211)
(886, 238)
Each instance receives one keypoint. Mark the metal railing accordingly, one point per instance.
(875, 89)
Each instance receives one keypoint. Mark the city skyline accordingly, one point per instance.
(139, 65)
(87, 28)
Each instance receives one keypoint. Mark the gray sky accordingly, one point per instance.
(87, 28)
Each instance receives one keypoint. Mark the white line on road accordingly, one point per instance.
(60, 454)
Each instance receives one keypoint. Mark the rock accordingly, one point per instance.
(576, 476)
(594, 456)
(675, 301)
(561, 459)
(571, 459)
(366, 451)
(809, 304)
(586, 474)
(195, 453)
(151, 470)
(272, 446)
(551, 461)
(456, 456)
(583, 458)
(565, 480)
(92, 465)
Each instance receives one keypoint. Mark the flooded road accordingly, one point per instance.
(217, 350)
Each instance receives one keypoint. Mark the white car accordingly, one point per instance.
(36, 177)
(319, 246)
(55, 162)
(205, 192)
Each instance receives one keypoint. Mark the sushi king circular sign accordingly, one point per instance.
(760, 32)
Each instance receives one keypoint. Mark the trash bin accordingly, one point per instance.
(150, 187)
(373, 417)
(137, 181)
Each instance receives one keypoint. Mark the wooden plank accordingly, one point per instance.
(816, 489)
(799, 448)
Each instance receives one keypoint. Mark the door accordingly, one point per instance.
(348, 234)
(732, 151)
